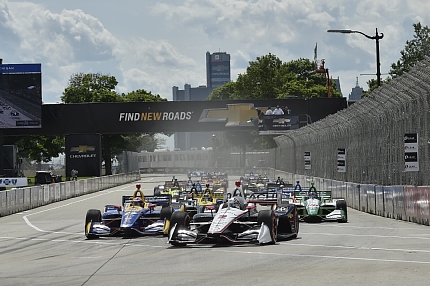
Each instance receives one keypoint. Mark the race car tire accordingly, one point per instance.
(92, 216)
(179, 219)
(166, 212)
(341, 205)
(296, 222)
(268, 218)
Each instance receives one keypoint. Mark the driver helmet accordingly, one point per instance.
(137, 201)
(312, 195)
(237, 183)
(138, 186)
(232, 203)
(207, 185)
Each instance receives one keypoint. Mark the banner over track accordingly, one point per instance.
(170, 116)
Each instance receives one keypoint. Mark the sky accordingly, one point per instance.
(155, 45)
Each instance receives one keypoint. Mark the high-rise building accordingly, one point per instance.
(356, 92)
(217, 74)
(217, 69)
(191, 93)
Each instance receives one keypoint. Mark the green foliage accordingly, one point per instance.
(415, 50)
(223, 92)
(141, 95)
(93, 87)
(268, 77)
(38, 148)
(101, 88)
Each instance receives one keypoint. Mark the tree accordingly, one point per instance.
(101, 88)
(141, 95)
(415, 50)
(268, 77)
(37, 148)
(92, 87)
(223, 92)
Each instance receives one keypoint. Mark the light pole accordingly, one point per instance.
(377, 37)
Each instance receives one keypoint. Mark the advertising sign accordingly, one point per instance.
(273, 123)
(173, 116)
(341, 160)
(307, 157)
(83, 154)
(411, 152)
(14, 182)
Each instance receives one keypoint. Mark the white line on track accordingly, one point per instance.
(424, 228)
(353, 247)
(102, 193)
(230, 251)
(365, 235)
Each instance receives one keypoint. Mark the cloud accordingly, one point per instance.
(152, 65)
(61, 38)
(163, 43)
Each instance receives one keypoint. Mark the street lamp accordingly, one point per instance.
(377, 37)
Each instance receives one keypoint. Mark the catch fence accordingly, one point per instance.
(372, 133)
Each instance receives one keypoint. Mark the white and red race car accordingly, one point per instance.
(260, 218)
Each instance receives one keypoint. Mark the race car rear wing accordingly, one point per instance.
(275, 185)
(302, 193)
(157, 200)
(219, 196)
(266, 198)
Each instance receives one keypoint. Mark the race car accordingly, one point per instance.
(207, 198)
(317, 206)
(238, 220)
(174, 188)
(195, 173)
(138, 215)
(286, 191)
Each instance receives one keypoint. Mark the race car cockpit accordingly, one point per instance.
(312, 195)
(137, 202)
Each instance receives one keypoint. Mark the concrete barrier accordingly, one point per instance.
(21, 199)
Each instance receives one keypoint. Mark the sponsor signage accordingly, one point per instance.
(341, 160)
(307, 158)
(278, 123)
(171, 116)
(411, 152)
(83, 154)
(14, 182)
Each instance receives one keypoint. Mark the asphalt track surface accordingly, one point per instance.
(47, 246)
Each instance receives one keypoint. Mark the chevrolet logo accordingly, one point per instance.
(82, 149)
(234, 115)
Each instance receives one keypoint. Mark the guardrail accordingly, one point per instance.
(408, 203)
(21, 199)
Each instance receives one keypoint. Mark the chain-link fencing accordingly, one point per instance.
(372, 133)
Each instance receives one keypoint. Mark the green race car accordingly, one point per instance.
(318, 206)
